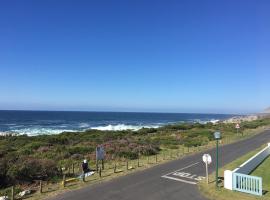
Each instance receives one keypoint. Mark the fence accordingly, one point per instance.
(248, 184)
(239, 180)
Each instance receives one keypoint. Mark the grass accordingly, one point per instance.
(210, 191)
(264, 171)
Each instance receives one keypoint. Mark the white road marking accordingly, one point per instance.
(182, 174)
(178, 179)
(183, 168)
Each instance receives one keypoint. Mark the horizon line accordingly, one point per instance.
(113, 111)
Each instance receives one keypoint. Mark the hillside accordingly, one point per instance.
(267, 110)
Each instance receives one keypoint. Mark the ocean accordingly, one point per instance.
(54, 122)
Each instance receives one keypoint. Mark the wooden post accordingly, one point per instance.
(156, 158)
(206, 169)
(138, 160)
(64, 180)
(12, 193)
(73, 172)
(83, 178)
(114, 170)
(100, 172)
(102, 163)
(127, 164)
(40, 186)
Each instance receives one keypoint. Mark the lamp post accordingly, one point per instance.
(217, 136)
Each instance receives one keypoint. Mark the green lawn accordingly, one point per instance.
(264, 171)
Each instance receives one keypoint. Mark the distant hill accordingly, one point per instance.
(267, 110)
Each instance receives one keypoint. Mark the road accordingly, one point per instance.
(170, 181)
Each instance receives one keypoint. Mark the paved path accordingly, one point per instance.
(170, 181)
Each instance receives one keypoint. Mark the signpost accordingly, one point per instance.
(100, 155)
(207, 160)
(237, 126)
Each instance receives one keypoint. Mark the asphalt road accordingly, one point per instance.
(170, 181)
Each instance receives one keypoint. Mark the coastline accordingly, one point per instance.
(53, 123)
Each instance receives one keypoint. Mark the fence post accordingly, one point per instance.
(73, 169)
(12, 193)
(83, 177)
(156, 158)
(64, 180)
(40, 186)
(102, 163)
(100, 172)
(127, 164)
(114, 170)
(138, 160)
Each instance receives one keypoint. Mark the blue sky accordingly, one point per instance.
(137, 55)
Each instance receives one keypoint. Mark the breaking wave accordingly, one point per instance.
(121, 127)
(39, 131)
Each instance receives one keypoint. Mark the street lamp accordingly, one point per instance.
(217, 136)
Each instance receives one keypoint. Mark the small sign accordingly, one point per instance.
(237, 126)
(207, 159)
(100, 153)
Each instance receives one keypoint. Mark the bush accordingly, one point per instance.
(32, 169)
(128, 154)
(80, 150)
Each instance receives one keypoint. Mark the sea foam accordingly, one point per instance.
(40, 131)
(121, 127)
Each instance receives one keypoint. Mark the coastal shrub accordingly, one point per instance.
(32, 169)
(80, 150)
(3, 171)
(128, 154)
(149, 150)
(145, 131)
(175, 127)
(195, 141)
(171, 146)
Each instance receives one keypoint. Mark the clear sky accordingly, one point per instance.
(135, 55)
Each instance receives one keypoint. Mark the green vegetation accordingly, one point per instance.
(264, 172)
(210, 191)
(24, 159)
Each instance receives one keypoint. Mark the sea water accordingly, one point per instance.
(54, 122)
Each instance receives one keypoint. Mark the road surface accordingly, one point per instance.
(170, 181)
